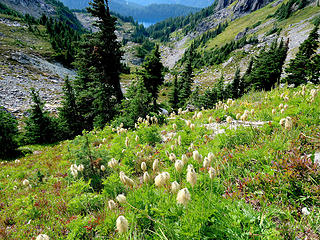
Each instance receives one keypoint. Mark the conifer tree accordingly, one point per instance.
(8, 132)
(97, 86)
(38, 126)
(69, 113)
(152, 74)
(303, 67)
(235, 85)
(174, 95)
(220, 88)
(185, 83)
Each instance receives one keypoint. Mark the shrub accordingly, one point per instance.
(8, 132)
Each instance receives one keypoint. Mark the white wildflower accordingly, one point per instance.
(112, 205)
(184, 158)
(183, 196)
(229, 119)
(42, 237)
(206, 163)
(211, 172)
(191, 176)
(175, 187)
(305, 211)
(146, 177)
(103, 168)
(174, 126)
(137, 138)
(288, 123)
(210, 120)
(121, 198)
(122, 224)
(155, 165)
(178, 165)
(143, 166)
(199, 115)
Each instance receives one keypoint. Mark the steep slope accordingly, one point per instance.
(260, 24)
(253, 179)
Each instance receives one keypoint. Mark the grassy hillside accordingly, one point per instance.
(263, 176)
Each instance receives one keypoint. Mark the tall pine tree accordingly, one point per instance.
(152, 74)
(304, 66)
(174, 94)
(185, 83)
(235, 85)
(97, 86)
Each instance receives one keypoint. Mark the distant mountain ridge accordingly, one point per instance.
(150, 13)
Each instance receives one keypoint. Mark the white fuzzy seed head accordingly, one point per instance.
(112, 205)
(191, 177)
(42, 237)
(121, 198)
(210, 120)
(155, 165)
(274, 111)
(210, 157)
(188, 123)
(137, 138)
(285, 107)
(127, 142)
(179, 140)
(199, 115)
(206, 163)
(175, 187)
(282, 121)
(122, 224)
(184, 159)
(172, 157)
(252, 112)
(192, 126)
(288, 123)
(159, 180)
(196, 156)
(103, 168)
(143, 166)
(280, 105)
(229, 119)
(211, 172)
(146, 177)
(305, 211)
(282, 110)
(183, 196)
(25, 182)
(238, 116)
(178, 165)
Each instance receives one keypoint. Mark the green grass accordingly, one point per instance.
(263, 179)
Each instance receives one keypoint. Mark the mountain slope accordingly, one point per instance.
(149, 13)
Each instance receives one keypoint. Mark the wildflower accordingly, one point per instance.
(206, 163)
(229, 101)
(172, 157)
(74, 172)
(174, 126)
(146, 177)
(252, 112)
(196, 156)
(166, 176)
(178, 165)
(184, 158)
(238, 116)
(111, 205)
(274, 111)
(199, 115)
(286, 99)
(112, 163)
(140, 120)
(210, 157)
(136, 125)
(122, 224)
(155, 165)
(188, 123)
(191, 147)
(172, 147)
(288, 123)
(137, 138)
(282, 121)
(183, 196)
(244, 117)
(103, 168)
(121, 198)
(179, 140)
(143, 166)
(162, 179)
(280, 105)
(126, 180)
(180, 111)
(15, 188)
(305, 211)
(121, 125)
(285, 107)
(210, 120)
(42, 237)
(127, 142)
(211, 172)
(191, 176)
(17, 161)
(229, 119)
(192, 127)
(175, 187)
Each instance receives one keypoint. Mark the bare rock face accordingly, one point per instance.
(33, 7)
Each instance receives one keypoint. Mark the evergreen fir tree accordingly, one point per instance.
(245, 81)
(97, 86)
(38, 126)
(8, 132)
(152, 74)
(69, 113)
(235, 85)
(220, 88)
(185, 83)
(174, 95)
(302, 68)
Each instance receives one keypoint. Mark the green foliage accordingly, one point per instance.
(112, 186)
(267, 66)
(145, 49)
(305, 66)
(86, 203)
(242, 136)
(135, 105)
(39, 126)
(152, 74)
(8, 132)
(287, 9)
(149, 135)
(4, 9)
